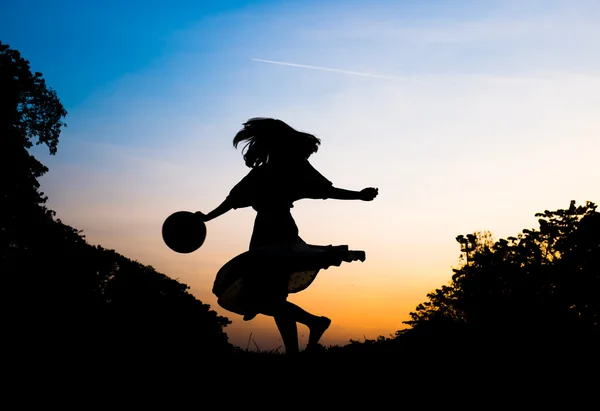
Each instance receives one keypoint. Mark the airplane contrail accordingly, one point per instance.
(355, 73)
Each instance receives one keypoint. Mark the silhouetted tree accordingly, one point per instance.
(30, 113)
(541, 282)
(60, 291)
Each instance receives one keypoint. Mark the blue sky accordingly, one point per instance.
(492, 117)
(83, 47)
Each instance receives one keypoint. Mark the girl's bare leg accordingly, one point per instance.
(289, 333)
(287, 315)
(317, 330)
(317, 325)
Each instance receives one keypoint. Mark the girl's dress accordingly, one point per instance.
(278, 261)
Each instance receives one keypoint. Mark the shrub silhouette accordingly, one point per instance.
(543, 280)
(63, 294)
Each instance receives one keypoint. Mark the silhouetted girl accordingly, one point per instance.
(279, 261)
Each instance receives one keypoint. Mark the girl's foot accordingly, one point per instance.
(317, 330)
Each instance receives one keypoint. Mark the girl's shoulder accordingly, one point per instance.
(312, 174)
(296, 173)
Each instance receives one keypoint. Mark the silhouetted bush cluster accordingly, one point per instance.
(544, 281)
(534, 294)
(64, 295)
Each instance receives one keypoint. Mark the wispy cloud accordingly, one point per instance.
(354, 73)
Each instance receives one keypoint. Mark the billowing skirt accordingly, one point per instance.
(264, 276)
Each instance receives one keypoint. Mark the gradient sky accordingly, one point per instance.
(477, 115)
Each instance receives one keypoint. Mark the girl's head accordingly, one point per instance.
(267, 139)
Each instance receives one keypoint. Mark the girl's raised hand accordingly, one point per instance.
(369, 193)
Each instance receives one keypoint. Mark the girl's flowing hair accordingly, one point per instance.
(265, 136)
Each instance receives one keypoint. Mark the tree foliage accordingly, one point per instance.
(30, 113)
(540, 281)
(60, 290)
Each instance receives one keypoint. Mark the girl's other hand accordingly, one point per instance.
(368, 194)
(201, 215)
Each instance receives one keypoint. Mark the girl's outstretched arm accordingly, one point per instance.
(366, 194)
(224, 207)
